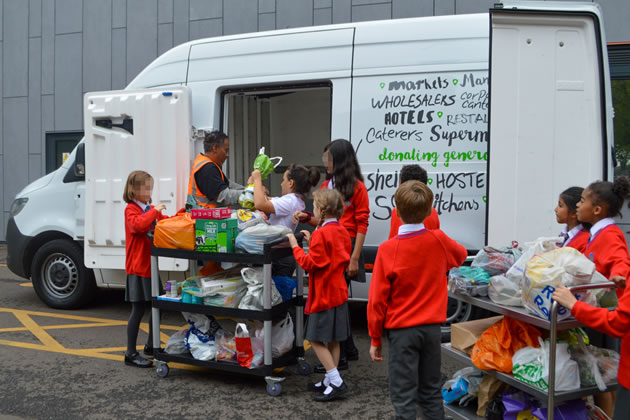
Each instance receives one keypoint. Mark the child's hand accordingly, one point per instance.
(292, 240)
(376, 353)
(620, 281)
(160, 207)
(353, 268)
(307, 236)
(256, 175)
(298, 216)
(564, 297)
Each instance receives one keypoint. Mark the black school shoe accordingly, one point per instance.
(314, 388)
(343, 365)
(137, 361)
(148, 350)
(337, 392)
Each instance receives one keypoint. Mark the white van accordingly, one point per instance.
(504, 110)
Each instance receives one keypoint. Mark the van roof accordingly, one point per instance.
(171, 67)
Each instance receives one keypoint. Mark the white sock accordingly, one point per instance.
(324, 382)
(334, 377)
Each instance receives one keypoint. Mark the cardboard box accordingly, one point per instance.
(217, 213)
(215, 235)
(464, 335)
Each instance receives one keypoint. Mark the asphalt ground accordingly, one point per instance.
(58, 364)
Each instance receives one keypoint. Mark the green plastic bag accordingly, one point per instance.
(265, 164)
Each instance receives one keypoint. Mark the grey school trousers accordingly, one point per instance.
(414, 371)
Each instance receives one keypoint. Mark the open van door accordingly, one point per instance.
(550, 113)
(129, 130)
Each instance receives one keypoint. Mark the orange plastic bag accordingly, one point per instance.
(210, 268)
(177, 232)
(496, 346)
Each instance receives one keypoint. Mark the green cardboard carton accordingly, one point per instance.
(215, 235)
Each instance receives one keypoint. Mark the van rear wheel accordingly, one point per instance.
(59, 276)
(457, 311)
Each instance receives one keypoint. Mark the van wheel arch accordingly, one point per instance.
(59, 275)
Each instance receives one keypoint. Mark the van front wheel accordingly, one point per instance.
(59, 276)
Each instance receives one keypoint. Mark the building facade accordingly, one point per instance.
(54, 51)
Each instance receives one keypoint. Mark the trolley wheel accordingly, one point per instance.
(162, 370)
(274, 389)
(304, 368)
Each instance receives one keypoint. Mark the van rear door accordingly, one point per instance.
(129, 130)
(550, 114)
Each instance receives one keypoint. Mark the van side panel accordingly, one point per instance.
(420, 96)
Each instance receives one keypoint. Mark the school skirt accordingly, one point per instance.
(329, 326)
(138, 289)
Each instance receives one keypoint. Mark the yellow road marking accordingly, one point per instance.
(3, 265)
(36, 330)
(49, 344)
(26, 284)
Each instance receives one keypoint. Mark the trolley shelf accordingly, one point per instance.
(529, 389)
(271, 254)
(272, 314)
(284, 360)
(515, 312)
(462, 413)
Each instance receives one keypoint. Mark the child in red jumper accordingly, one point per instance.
(344, 175)
(573, 235)
(327, 307)
(417, 173)
(140, 218)
(607, 248)
(408, 297)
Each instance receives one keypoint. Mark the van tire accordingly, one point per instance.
(59, 276)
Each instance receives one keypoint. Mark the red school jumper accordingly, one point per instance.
(609, 251)
(579, 241)
(409, 285)
(326, 261)
(614, 323)
(356, 211)
(137, 243)
(432, 222)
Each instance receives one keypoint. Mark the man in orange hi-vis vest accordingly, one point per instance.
(208, 187)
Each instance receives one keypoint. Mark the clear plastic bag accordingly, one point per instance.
(598, 366)
(253, 239)
(504, 291)
(177, 343)
(226, 347)
(496, 260)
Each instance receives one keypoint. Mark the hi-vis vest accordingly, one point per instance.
(196, 198)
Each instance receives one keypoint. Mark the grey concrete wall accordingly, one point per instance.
(53, 51)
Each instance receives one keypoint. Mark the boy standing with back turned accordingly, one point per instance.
(408, 297)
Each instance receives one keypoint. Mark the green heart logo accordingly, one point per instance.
(430, 181)
(440, 113)
(484, 199)
(455, 82)
(382, 85)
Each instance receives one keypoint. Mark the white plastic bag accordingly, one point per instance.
(254, 298)
(504, 290)
(249, 218)
(282, 337)
(546, 271)
(204, 323)
(531, 365)
(253, 239)
(177, 343)
(201, 346)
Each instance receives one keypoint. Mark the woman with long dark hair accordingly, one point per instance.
(344, 175)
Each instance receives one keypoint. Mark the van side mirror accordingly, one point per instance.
(79, 161)
(77, 171)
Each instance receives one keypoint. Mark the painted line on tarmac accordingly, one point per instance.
(3, 265)
(27, 284)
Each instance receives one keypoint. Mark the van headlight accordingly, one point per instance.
(17, 206)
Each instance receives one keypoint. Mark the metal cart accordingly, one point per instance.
(272, 252)
(552, 397)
